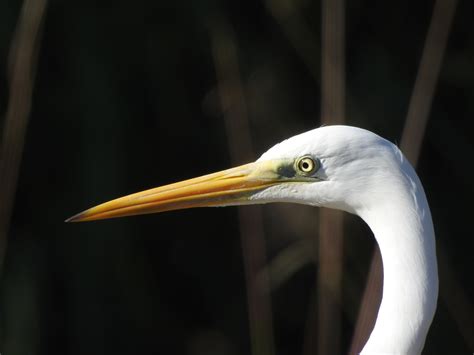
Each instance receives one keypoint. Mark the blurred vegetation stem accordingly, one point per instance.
(234, 107)
(331, 221)
(22, 65)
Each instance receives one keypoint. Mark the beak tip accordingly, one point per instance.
(76, 218)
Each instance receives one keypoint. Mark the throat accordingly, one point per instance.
(406, 240)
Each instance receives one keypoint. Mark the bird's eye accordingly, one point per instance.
(307, 165)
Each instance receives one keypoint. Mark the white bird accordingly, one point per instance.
(339, 167)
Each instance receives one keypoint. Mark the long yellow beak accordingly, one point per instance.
(229, 187)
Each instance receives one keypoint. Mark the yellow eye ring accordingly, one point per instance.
(307, 165)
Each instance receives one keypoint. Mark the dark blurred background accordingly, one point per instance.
(126, 97)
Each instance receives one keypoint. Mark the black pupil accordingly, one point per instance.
(305, 165)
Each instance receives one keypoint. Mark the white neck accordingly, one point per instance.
(402, 225)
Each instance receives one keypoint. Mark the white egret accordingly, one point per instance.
(339, 167)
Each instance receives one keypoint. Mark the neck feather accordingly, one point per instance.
(403, 228)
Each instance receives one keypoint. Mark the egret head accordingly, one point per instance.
(333, 166)
(352, 165)
(338, 167)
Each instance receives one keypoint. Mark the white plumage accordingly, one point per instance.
(367, 175)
